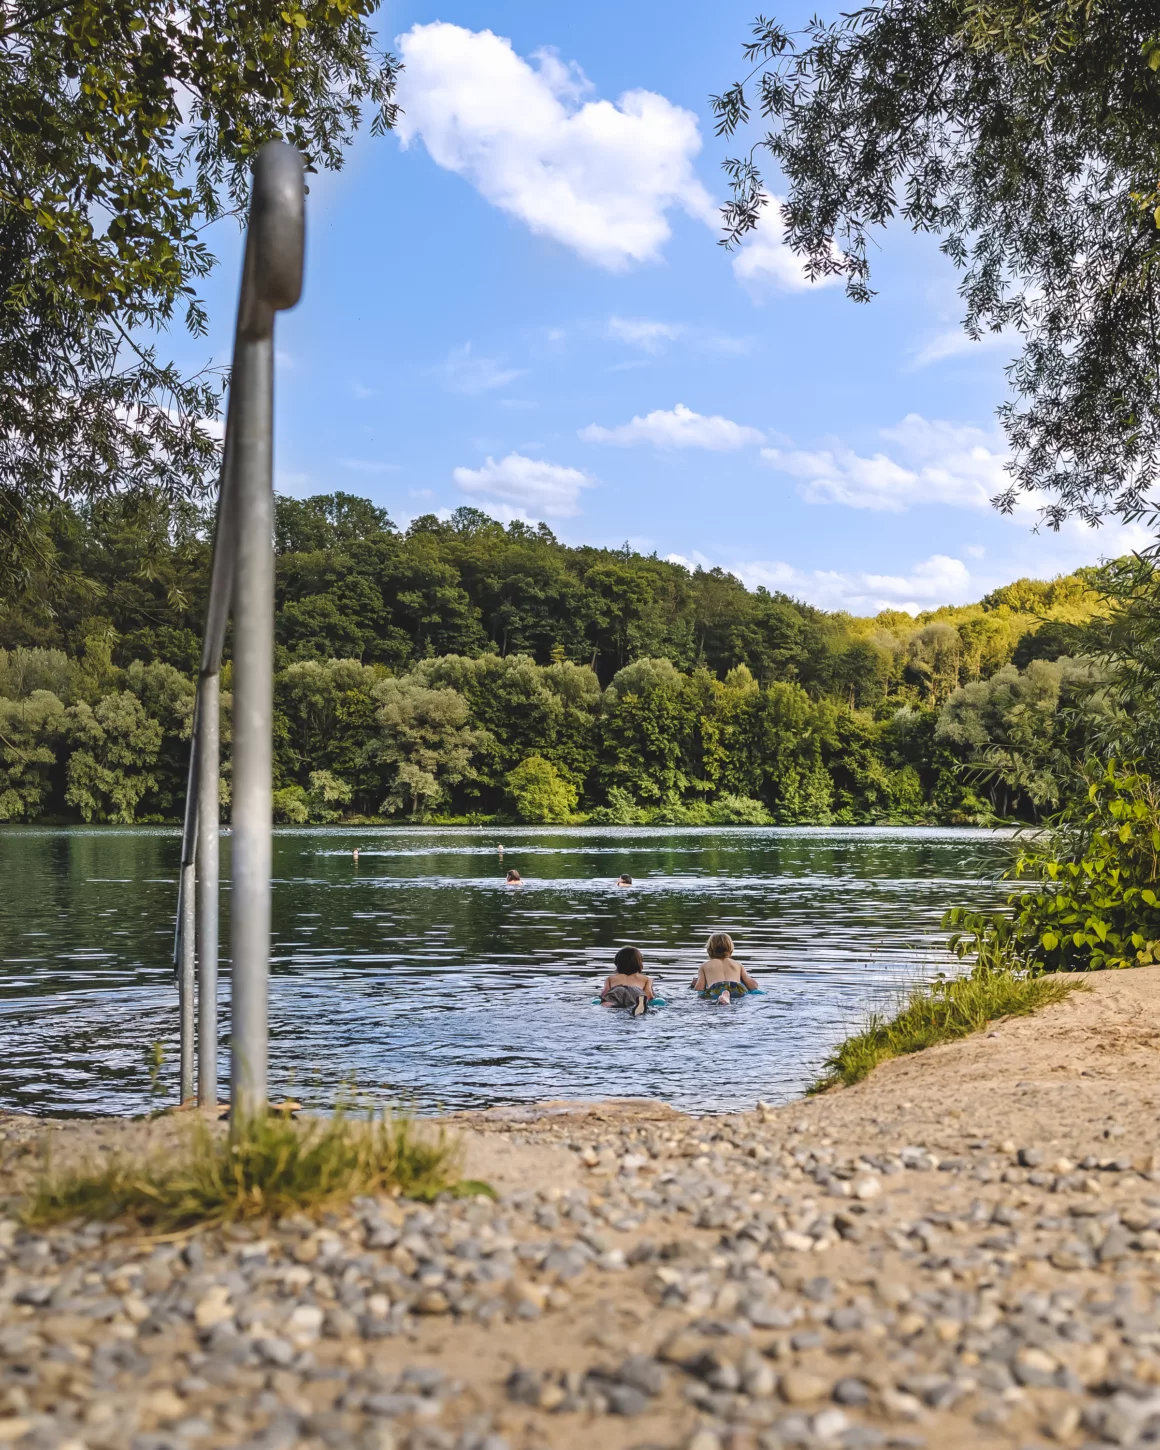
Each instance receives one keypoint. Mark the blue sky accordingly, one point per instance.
(519, 303)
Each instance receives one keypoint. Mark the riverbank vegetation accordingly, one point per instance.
(942, 1011)
(461, 670)
(278, 1166)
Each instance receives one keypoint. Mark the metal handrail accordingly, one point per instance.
(241, 582)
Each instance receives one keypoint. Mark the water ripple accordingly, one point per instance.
(417, 973)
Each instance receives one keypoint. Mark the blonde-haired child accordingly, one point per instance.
(722, 977)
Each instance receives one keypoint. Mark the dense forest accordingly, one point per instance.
(461, 669)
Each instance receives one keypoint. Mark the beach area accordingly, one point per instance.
(962, 1250)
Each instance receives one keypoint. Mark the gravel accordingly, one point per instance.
(736, 1283)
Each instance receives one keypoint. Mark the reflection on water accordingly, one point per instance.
(419, 975)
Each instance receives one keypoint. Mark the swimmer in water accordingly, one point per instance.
(624, 881)
(355, 855)
(513, 878)
(628, 986)
(722, 978)
(499, 849)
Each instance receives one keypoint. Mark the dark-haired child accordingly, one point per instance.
(628, 986)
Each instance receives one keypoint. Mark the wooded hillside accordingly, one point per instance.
(463, 668)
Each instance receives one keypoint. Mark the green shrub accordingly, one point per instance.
(738, 810)
(621, 810)
(540, 793)
(291, 806)
(326, 792)
(1096, 904)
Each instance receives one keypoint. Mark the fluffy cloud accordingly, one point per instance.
(544, 490)
(765, 263)
(640, 332)
(954, 342)
(937, 580)
(598, 177)
(677, 427)
(474, 375)
(932, 462)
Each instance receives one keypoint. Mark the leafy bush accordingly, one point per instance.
(621, 810)
(29, 729)
(113, 747)
(1097, 903)
(290, 805)
(738, 810)
(541, 794)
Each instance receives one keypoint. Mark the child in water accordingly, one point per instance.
(628, 986)
(722, 978)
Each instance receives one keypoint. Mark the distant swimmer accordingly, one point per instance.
(624, 881)
(354, 855)
(514, 879)
(499, 849)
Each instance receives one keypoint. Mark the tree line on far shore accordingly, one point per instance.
(464, 670)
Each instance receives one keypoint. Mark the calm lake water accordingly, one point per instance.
(417, 976)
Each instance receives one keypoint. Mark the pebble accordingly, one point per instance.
(780, 1290)
(799, 1387)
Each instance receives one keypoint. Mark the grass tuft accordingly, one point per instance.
(941, 1011)
(276, 1167)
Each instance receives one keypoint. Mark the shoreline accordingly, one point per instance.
(962, 1249)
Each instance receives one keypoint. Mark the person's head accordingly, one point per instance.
(628, 961)
(624, 881)
(719, 946)
(514, 878)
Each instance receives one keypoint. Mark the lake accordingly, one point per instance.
(419, 977)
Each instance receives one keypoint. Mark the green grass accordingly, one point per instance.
(276, 1167)
(940, 1011)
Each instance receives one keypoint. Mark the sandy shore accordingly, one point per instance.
(964, 1250)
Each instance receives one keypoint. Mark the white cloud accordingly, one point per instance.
(598, 177)
(362, 392)
(640, 332)
(954, 342)
(547, 490)
(465, 373)
(765, 262)
(932, 462)
(937, 580)
(678, 427)
(694, 560)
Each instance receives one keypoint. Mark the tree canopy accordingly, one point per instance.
(466, 669)
(1026, 135)
(126, 128)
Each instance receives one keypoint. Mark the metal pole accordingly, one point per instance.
(207, 889)
(252, 813)
(185, 982)
(271, 281)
